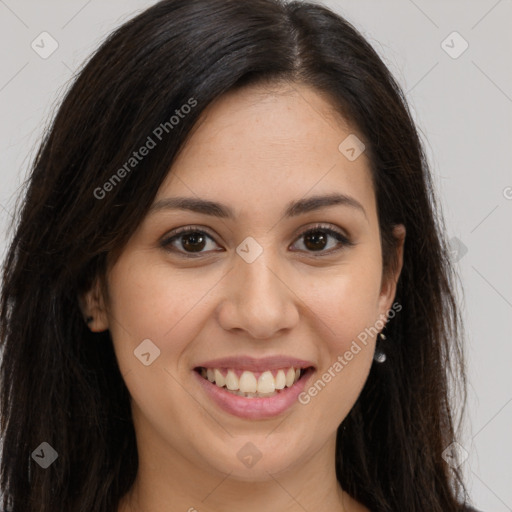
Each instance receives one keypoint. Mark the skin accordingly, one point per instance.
(255, 150)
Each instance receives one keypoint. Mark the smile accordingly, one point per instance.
(251, 388)
(253, 384)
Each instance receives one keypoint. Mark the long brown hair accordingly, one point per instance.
(61, 384)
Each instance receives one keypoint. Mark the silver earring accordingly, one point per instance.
(380, 355)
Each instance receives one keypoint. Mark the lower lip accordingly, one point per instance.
(254, 408)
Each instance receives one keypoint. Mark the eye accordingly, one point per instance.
(316, 239)
(192, 241)
(188, 240)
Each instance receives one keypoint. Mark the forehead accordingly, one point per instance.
(258, 146)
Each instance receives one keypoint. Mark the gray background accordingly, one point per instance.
(463, 107)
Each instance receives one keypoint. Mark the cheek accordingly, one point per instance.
(345, 301)
(146, 302)
(345, 311)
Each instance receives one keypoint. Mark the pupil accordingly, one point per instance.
(316, 237)
(195, 241)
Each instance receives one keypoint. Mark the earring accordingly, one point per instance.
(380, 355)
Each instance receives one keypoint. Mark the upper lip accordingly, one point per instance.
(256, 364)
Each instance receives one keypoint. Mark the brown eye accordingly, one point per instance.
(315, 240)
(318, 239)
(189, 241)
(194, 242)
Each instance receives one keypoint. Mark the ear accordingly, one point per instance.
(389, 281)
(92, 305)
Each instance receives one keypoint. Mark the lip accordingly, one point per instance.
(256, 364)
(255, 408)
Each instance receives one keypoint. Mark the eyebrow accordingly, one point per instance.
(293, 209)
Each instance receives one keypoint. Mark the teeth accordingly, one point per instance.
(266, 383)
(250, 386)
(231, 381)
(254, 395)
(247, 383)
(280, 380)
(219, 378)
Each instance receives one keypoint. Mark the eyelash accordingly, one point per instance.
(345, 242)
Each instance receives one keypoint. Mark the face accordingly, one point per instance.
(272, 277)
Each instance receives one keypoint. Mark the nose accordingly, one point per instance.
(257, 299)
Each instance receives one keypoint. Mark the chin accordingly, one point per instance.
(255, 459)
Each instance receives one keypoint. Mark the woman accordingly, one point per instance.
(229, 286)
